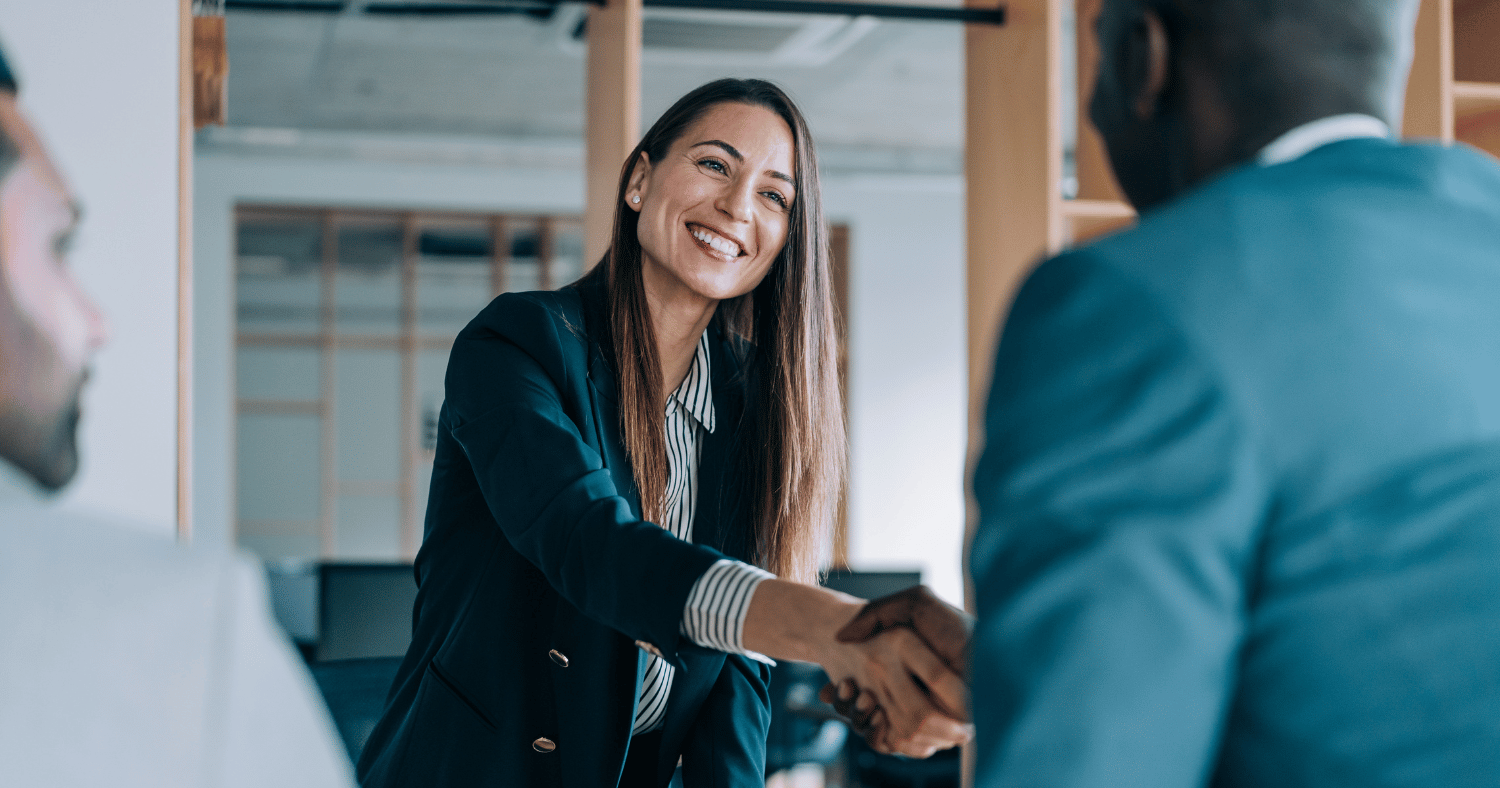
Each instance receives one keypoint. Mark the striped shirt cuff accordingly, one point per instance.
(716, 607)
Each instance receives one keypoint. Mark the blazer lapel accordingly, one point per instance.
(716, 521)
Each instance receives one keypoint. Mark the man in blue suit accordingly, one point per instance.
(1240, 496)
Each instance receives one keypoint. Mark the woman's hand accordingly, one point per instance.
(921, 700)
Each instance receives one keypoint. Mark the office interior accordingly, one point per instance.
(283, 283)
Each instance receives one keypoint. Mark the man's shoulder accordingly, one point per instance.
(104, 572)
(106, 623)
(1259, 231)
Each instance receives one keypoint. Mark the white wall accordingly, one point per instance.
(906, 356)
(907, 372)
(99, 80)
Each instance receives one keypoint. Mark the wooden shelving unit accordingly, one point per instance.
(1014, 86)
(1476, 73)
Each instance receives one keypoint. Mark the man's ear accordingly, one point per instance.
(1150, 60)
(640, 183)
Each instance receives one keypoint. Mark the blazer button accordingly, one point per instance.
(543, 744)
(648, 648)
(560, 658)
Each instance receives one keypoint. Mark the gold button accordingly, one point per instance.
(543, 744)
(560, 658)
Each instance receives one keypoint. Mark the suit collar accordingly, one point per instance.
(716, 515)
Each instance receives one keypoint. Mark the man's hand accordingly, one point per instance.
(867, 719)
(923, 701)
(944, 628)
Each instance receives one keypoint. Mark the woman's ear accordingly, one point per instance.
(640, 183)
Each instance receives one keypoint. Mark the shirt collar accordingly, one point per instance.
(17, 489)
(1310, 136)
(695, 394)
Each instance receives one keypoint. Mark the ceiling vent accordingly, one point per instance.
(690, 36)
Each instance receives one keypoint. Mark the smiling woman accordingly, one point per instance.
(718, 179)
(623, 467)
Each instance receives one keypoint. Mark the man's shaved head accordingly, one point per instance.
(1188, 87)
(1276, 56)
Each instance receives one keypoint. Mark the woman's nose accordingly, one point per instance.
(735, 201)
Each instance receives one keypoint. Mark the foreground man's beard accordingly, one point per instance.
(47, 451)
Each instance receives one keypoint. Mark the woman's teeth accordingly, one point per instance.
(722, 245)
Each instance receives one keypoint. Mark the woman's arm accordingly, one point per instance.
(923, 700)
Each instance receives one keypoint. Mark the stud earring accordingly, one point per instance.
(636, 199)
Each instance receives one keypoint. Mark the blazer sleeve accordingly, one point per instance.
(727, 744)
(549, 490)
(1119, 503)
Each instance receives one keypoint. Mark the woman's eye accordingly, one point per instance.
(713, 164)
(776, 197)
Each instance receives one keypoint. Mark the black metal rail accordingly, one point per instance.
(982, 16)
(979, 16)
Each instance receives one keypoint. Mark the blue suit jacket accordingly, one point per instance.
(534, 543)
(1240, 497)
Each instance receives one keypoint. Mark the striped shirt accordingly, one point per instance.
(714, 616)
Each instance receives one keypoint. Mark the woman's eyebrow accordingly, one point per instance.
(737, 156)
(729, 149)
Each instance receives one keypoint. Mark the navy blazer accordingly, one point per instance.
(534, 544)
(1240, 495)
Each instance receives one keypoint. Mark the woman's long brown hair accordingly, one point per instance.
(793, 450)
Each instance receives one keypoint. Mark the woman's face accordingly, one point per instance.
(714, 211)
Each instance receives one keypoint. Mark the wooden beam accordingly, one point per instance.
(408, 441)
(612, 114)
(499, 254)
(1013, 167)
(184, 271)
(545, 230)
(328, 457)
(838, 258)
(1429, 90)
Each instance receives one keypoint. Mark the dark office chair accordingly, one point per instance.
(364, 610)
(870, 769)
(364, 627)
(355, 691)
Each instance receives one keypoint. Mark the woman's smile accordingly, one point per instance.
(716, 242)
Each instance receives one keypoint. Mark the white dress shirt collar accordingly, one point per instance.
(695, 393)
(1311, 136)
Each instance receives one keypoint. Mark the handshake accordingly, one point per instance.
(906, 693)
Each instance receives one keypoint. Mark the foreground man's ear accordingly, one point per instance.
(1149, 55)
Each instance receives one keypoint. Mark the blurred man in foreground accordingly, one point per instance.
(1240, 496)
(125, 660)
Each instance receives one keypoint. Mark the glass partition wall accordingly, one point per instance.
(344, 323)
